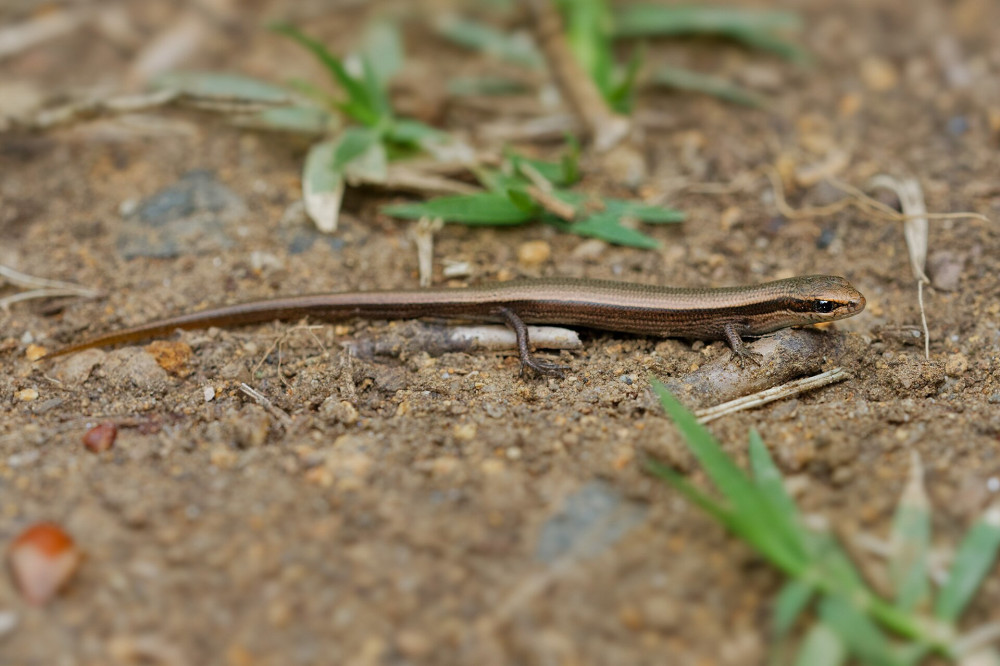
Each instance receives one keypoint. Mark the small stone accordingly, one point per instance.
(171, 356)
(338, 411)
(101, 437)
(130, 369)
(956, 365)
(533, 254)
(513, 453)
(42, 559)
(730, 217)
(878, 74)
(945, 269)
(209, 393)
(35, 352)
(465, 432)
(591, 248)
(27, 395)
(76, 369)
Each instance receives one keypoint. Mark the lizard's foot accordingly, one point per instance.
(743, 357)
(543, 367)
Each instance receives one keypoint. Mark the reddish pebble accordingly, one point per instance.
(42, 560)
(101, 437)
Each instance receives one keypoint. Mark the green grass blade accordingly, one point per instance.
(769, 481)
(294, 119)
(692, 494)
(607, 228)
(768, 478)
(221, 85)
(378, 95)
(516, 49)
(359, 105)
(587, 24)
(382, 49)
(861, 636)
(754, 28)
(643, 212)
(523, 200)
(685, 79)
(571, 162)
(822, 646)
(751, 511)
(474, 86)
(371, 166)
(976, 555)
(792, 600)
(554, 172)
(413, 133)
(910, 543)
(621, 95)
(352, 143)
(659, 20)
(485, 208)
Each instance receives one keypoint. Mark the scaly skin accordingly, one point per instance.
(727, 313)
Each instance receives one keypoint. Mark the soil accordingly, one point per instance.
(420, 509)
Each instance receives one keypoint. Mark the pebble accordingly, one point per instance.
(945, 269)
(589, 249)
(172, 356)
(101, 437)
(209, 393)
(185, 218)
(34, 352)
(879, 74)
(27, 395)
(338, 411)
(465, 432)
(533, 254)
(956, 365)
(42, 560)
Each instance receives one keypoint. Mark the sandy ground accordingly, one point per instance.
(420, 509)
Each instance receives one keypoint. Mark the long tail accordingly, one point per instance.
(230, 315)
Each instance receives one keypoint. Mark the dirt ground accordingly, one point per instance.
(420, 509)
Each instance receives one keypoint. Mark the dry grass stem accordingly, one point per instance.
(605, 127)
(770, 395)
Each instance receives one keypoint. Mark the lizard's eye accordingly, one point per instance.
(825, 307)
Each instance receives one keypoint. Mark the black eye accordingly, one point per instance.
(824, 306)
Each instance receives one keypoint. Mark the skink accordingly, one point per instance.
(727, 313)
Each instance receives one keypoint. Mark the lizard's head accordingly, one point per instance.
(820, 298)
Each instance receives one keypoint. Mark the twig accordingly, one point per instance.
(24, 280)
(605, 127)
(423, 236)
(541, 192)
(51, 25)
(915, 231)
(770, 395)
(264, 402)
(40, 287)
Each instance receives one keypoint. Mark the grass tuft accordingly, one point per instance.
(851, 620)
